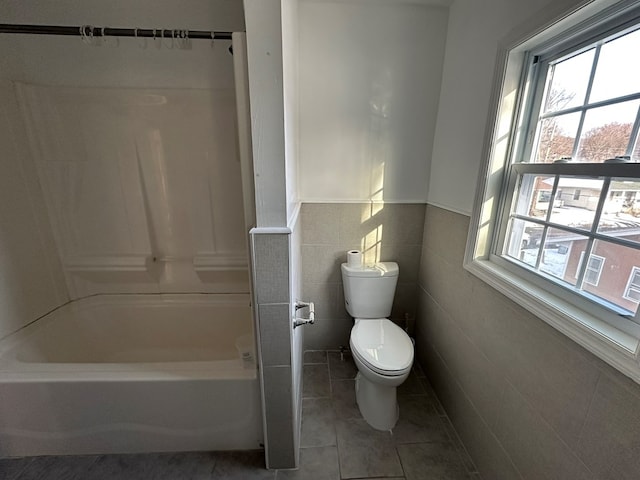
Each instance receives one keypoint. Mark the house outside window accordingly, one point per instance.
(562, 179)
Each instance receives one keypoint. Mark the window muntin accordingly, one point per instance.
(568, 203)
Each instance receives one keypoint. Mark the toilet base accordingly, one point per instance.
(378, 404)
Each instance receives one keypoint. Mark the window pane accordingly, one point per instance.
(619, 263)
(577, 200)
(635, 155)
(621, 213)
(568, 82)
(556, 136)
(618, 68)
(558, 254)
(524, 241)
(534, 196)
(606, 132)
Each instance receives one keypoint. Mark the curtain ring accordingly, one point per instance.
(83, 35)
(163, 37)
(157, 41)
(144, 40)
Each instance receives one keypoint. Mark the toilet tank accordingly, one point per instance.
(369, 291)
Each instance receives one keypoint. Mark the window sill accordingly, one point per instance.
(617, 348)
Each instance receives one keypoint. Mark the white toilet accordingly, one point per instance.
(382, 351)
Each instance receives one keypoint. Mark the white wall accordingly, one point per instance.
(290, 78)
(369, 87)
(475, 29)
(264, 54)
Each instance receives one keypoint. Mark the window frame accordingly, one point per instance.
(615, 340)
(592, 256)
(634, 271)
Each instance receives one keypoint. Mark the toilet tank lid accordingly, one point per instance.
(382, 269)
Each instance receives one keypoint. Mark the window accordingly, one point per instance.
(562, 178)
(593, 270)
(583, 119)
(632, 292)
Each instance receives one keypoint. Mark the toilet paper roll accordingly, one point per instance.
(354, 258)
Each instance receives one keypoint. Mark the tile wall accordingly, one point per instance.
(385, 232)
(272, 296)
(527, 402)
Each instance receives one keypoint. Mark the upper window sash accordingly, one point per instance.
(537, 80)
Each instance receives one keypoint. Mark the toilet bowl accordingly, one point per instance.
(382, 351)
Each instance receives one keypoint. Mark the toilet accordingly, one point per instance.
(382, 351)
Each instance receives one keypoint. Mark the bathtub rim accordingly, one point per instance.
(14, 370)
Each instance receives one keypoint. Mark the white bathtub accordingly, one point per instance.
(132, 373)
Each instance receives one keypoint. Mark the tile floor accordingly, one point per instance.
(336, 443)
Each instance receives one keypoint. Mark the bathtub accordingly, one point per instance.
(132, 373)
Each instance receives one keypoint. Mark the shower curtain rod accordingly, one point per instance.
(93, 31)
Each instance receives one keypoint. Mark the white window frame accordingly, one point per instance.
(615, 340)
(587, 269)
(634, 271)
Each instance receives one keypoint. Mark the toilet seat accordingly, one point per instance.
(382, 346)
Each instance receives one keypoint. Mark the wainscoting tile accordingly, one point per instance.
(412, 385)
(365, 452)
(355, 223)
(419, 422)
(280, 417)
(319, 463)
(271, 253)
(328, 333)
(408, 259)
(318, 423)
(431, 460)
(403, 224)
(462, 451)
(533, 445)
(321, 263)
(609, 443)
(483, 447)
(446, 232)
(325, 297)
(275, 334)
(318, 221)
